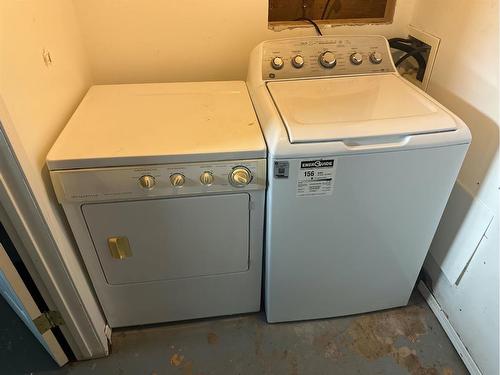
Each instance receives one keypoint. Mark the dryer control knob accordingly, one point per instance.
(298, 61)
(376, 57)
(207, 178)
(240, 176)
(357, 58)
(327, 59)
(177, 180)
(147, 182)
(277, 63)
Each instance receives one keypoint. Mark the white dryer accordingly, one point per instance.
(360, 167)
(163, 186)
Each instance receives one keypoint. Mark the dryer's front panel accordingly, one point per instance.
(171, 238)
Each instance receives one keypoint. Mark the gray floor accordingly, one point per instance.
(400, 341)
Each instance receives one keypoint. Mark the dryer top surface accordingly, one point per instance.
(133, 124)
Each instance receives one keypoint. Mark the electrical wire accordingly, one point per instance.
(410, 54)
(412, 50)
(327, 5)
(312, 23)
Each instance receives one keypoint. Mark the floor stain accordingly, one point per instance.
(187, 369)
(294, 365)
(374, 335)
(176, 360)
(305, 331)
(408, 358)
(326, 343)
(447, 371)
(407, 321)
(212, 338)
(365, 340)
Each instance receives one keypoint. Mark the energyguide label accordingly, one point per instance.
(316, 177)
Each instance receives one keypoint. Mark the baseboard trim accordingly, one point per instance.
(448, 328)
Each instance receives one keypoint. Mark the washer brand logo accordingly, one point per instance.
(316, 164)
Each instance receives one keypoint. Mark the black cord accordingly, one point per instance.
(327, 5)
(400, 40)
(405, 45)
(312, 23)
(410, 54)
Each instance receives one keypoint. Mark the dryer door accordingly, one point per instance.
(151, 240)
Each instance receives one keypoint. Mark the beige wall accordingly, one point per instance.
(465, 79)
(36, 100)
(158, 40)
(41, 98)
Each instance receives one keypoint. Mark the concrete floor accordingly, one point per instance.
(400, 341)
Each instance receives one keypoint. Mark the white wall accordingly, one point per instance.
(465, 79)
(38, 99)
(162, 41)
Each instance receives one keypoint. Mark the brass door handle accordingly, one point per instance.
(119, 247)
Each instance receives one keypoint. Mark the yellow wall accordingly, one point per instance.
(159, 40)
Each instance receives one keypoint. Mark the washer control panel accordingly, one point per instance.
(325, 56)
(87, 185)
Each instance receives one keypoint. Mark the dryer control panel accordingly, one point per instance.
(139, 182)
(325, 56)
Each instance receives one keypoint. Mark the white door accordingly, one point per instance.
(19, 298)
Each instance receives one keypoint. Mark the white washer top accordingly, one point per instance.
(344, 108)
(137, 124)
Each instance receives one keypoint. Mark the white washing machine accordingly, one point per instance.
(163, 186)
(360, 167)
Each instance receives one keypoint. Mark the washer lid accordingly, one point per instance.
(320, 110)
(118, 125)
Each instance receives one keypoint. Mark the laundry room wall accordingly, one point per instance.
(463, 263)
(163, 41)
(44, 73)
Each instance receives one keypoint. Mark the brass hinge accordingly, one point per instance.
(48, 320)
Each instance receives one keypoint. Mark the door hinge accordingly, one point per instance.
(107, 332)
(48, 320)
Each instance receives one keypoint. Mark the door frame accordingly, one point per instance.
(85, 327)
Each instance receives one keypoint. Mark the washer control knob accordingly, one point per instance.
(147, 182)
(240, 176)
(277, 63)
(376, 57)
(327, 59)
(207, 178)
(177, 180)
(298, 61)
(357, 58)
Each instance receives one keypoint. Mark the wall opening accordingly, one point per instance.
(331, 11)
